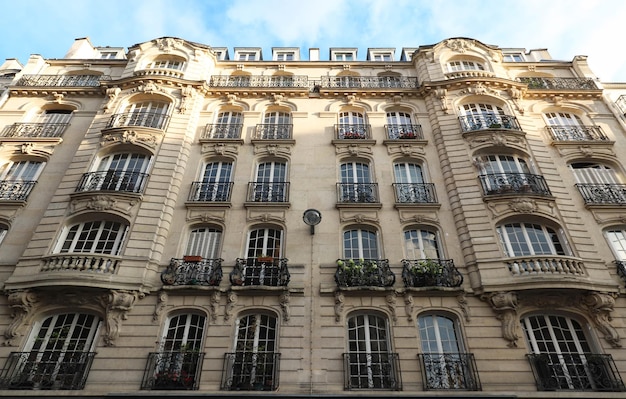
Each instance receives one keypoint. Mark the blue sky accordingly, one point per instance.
(565, 27)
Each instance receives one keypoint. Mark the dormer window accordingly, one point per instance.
(246, 56)
(285, 56)
(455, 66)
(343, 57)
(381, 57)
(105, 55)
(513, 57)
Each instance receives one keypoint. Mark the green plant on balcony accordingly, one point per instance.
(427, 266)
(407, 135)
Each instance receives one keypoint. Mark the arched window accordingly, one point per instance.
(501, 174)
(153, 114)
(228, 125)
(216, 183)
(124, 172)
(265, 241)
(4, 229)
(478, 116)
(410, 186)
(422, 244)
(598, 183)
(356, 184)
(271, 183)
(370, 362)
(593, 173)
(276, 126)
(400, 126)
(96, 237)
(529, 239)
(360, 244)
(465, 65)
(616, 237)
(565, 126)
(204, 242)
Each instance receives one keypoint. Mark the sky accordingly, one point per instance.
(567, 28)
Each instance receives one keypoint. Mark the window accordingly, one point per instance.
(410, 186)
(562, 119)
(253, 365)
(351, 118)
(61, 116)
(17, 179)
(370, 363)
(276, 125)
(247, 56)
(167, 64)
(360, 244)
(148, 114)
(513, 57)
(617, 240)
(593, 173)
(285, 56)
(119, 172)
(271, 182)
(96, 237)
(400, 126)
(265, 242)
(483, 116)
(529, 239)
(216, 182)
(562, 358)
(204, 242)
(227, 125)
(343, 56)
(445, 366)
(355, 183)
(3, 232)
(598, 183)
(58, 354)
(107, 55)
(455, 66)
(509, 173)
(421, 244)
(382, 57)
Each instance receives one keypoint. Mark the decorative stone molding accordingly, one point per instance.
(265, 216)
(206, 216)
(188, 93)
(354, 150)
(214, 304)
(111, 94)
(129, 137)
(523, 205)
(115, 203)
(408, 306)
(479, 89)
(220, 149)
(276, 98)
(516, 95)
(391, 305)
(347, 216)
(442, 95)
(148, 87)
(231, 301)
(501, 206)
(284, 305)
(160, 306)
(505, 305)
(408, 150)
(168, 44)
(339, 302)
(569, 150)
(477, 140)
(117, 305)
(22, 304)
(459, 45)
(272, 149)
(408, 216)
(599, 307)
(462, 300)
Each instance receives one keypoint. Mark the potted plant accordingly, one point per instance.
(427, 272)
(263, 258)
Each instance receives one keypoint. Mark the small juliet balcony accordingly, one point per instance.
(61, 80)
(15, 190)
(346, 131)
(217, 131)
(210, 192)
(576, 133)
(514, 183)
(260, 271)
(621, 268)
(470, 123)
(449, 371)
(276, 131)
(415, 193)
(603, 194)
(540, 83)
(35, 130)
(430, 273)
(193, 270)
(251, 371)
(372, 370)
(364, 273)
(46, 370)
(404, 132)
(155, 120)
(173, 370)
(575, 372)
(113, 180)
(546, 265)
(268, 192)
(357, 193)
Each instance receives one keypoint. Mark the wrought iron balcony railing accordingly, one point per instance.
(113, 180)
(576, 133)
(603, 194)
(210, 192)
(273, 131)
(621, 268)
(154, 120)
(483, 121)
(46, 370)
(545, 265)
(268, 192)
(364, 273)
(262, 271)
(514, 183)
(449, 371)
(222, 131)
(97, 263)
(193, 270)
(404, 132)
(175, 370)
(372, 370)
(251, 371)
(279, 81)
(347, 131)
(415, 193)
(575, 372)
(61, 80)
(35, 130)
(360, 193)
(368, 82)
(15, 190)
(559, 83)
(430, 273)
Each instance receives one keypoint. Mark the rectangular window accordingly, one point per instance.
(343, 57)
(285, 56)
(247, 56)
(382, 57)
(514, 57)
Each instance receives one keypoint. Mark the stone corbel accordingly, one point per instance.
(160, 306)
(391, 305)
(339, 301)
(284, 305)
(408, 306)
(599, 306)
(215, 302)
(21, 304)
(505, 305)
(230, 305)
(462, 300)
(117, 304)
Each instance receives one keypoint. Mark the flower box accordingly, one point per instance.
(192, 258)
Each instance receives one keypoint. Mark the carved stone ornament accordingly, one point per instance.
(230, 305)
(339, 301)
(459, 45)
(187, 93)
(442, 95)
(479, 89)
(111, 94)
(523, 205)
(21, 304)
(505, 306)
(408, 305)
(220, 149)
(160, 306)
(284, 305)
(168, 44)
(391, 305)
(130, 137)
(462, 300)
(117, 304)
(214, 304)
(272, 149)
(123, 205)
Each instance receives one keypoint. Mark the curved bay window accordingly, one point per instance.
(598, 183)
(479, 116)
(123, 172)
(152, 114)
(506, 174)
(96, 237)
(465, 65)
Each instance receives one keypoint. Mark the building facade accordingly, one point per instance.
(446, 221)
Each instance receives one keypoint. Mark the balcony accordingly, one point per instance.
(175, 370)
(404, 132)
(576, 133)
(372, 370)
(61, 80)
(368, 82)
(621, 269)
(218, 131)
(155, 120)
(251, 371)
(95, 263)
(35, 130)
(275, 131)
(268, 192)
(46, 370)
(364, 273)
(514, 183)
(210, 192)
(575, 372)
(603, 194)
(449, 371)
(15, 190)
(357, 193)
(415, 193)
(277, 81)
(261, 271)
(346, 131)
(193, 270)
(545, 265)
(538, 83)
(113, 180)
(430, 273)
(470, 123)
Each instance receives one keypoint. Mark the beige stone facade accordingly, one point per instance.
(446, 222)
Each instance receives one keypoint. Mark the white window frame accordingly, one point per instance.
(177, 65)
(247, 56)
(465, 65)
(439, 335)
(593, 173)
(422, 243)
(531, 239)
(285, 56)
(513, 57)
(215, 181)
(266, 241)
(344, 56)
(616, 238)
(98, 230)
(382, 57)
(25, 170)
(369, 351)
(55, 116)
(183, 332)
(361, 244)
(204, 241)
